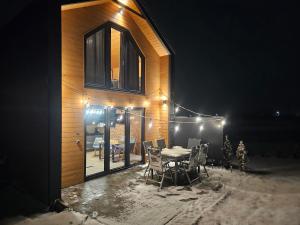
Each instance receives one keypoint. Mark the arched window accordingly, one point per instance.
(113, 60)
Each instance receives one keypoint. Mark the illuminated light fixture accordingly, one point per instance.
(121, 11)
(150, 125)
(111, 123)
(223, 122)
(176, 109)
(131, 107)
(146, 103)
(201, 128)
(164, 102)
(198, 119)
(176, 129)
(163, 98)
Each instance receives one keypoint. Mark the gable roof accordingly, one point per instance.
(139, 16)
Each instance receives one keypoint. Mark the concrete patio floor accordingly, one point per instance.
(269, 193)
(124, 198)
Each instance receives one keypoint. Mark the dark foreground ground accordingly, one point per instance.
(268, 194)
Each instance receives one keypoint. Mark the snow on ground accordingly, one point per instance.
(269, 193)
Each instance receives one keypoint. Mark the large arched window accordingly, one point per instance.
(113, 60)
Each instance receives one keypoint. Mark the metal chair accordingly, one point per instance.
(161, 143)
(203, 152)
(147, 145)
(192, 164)
(157, 165)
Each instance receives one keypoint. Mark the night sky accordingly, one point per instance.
(232, 59)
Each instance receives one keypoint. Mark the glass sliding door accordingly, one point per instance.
(113, 139)
(136, 135)
(117, 138)
(95, 123)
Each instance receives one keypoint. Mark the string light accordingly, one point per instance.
(177, 109)
(201, 128)
(198, 119)
(177, 128)
(223, 122)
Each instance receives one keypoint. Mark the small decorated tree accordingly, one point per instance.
(227, 153)
(241, 155)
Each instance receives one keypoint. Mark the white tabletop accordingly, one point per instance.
(175, 152)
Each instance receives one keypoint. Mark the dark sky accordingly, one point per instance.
(232, 58)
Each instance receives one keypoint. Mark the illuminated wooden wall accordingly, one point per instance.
(75, 23)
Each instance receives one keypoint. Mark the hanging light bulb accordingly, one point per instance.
(176, 129)
(223, 122)
(201, 128)
(198, 119)
(150, 124)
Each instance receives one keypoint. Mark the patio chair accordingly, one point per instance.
(193, 142)
(192, 164)
(147, 145)
(117, 150)
(203, 156)
(158, 166)
(161, 143)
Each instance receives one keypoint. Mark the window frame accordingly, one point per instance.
(107, 59)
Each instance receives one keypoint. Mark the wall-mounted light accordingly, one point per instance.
(146, 103)
(164, 102)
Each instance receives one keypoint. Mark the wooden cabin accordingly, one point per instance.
(116, 72)
(84, 83)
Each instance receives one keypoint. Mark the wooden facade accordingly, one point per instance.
(76, 21)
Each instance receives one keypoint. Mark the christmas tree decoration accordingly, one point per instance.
(241, 155)
(227, 153)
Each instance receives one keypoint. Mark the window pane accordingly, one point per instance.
(140, 73)
(116, 78)
(95, 61)
(133, 67)
(117, 138)
(135, 136)
(94, 139)
(90, 59)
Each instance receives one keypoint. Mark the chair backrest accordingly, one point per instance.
(147, 145)
(193, 142)
(203, 151)
(161, 143)
(194, 158)
(155, 161)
